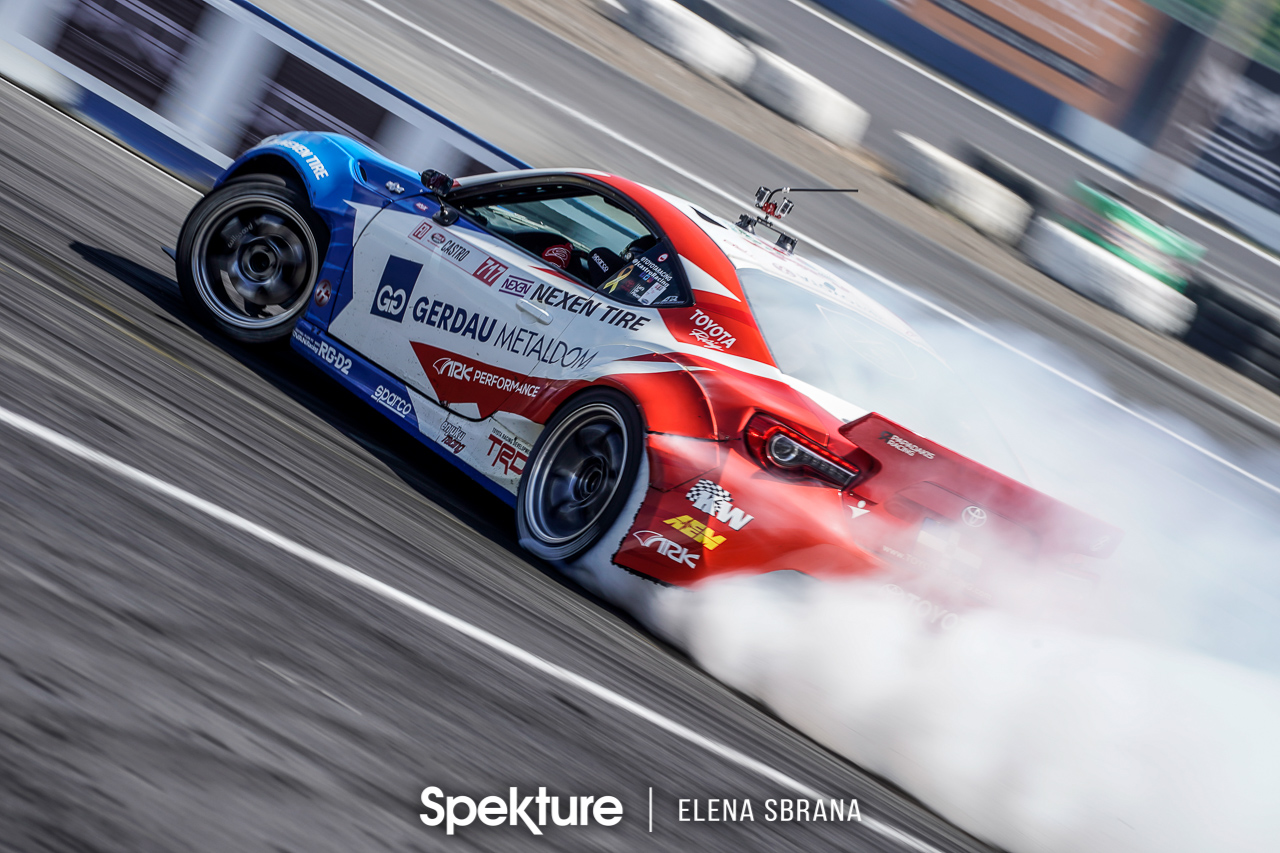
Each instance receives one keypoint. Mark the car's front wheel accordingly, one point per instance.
(248, 257)
(580, 474)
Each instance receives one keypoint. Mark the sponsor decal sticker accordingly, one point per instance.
(417, 205)
(566, 300)
(392, 296)
(324, 290)
(421, 231)
(974, 516)
(452, 249)
(546, 349)
(507, 451)
(612, 284)
(453, 437)
(317, 168)
(709, 333)
(710, 498)
(924, 608)
(453, 319)
(860, 510)
(438, 237)
(327, 352)
(389, 399)
(696, 530)
(463, 380)
(897, 442)
(490, 271)
(664, 546)
(516, 286)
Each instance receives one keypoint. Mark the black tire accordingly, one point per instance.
(1249, 308)
(580, 474)
(1237, 362)
(1235, 333)
(248, 257)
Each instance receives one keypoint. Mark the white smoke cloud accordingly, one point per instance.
(1036, 739)
(1145, 718)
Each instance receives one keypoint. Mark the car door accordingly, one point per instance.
(446, 309)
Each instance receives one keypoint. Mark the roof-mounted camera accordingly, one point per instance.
(776, 210)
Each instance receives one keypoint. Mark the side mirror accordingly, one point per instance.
(438, 183)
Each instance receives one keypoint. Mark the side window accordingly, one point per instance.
(588, 235)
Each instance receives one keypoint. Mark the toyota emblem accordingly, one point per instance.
(974, 516)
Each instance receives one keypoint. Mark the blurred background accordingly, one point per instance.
(1076, 201)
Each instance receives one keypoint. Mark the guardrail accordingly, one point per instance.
(190, 84)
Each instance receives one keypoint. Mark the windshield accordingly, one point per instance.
(842, 343)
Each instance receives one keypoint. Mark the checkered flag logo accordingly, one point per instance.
(708, 497)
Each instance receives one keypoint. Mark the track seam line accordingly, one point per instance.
(725, 194)
(390, 593)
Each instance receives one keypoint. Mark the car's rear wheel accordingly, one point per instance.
(580, 474)
(248, 257)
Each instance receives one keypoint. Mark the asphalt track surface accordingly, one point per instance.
(172, 683)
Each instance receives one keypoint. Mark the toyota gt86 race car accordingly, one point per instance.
(603, 356)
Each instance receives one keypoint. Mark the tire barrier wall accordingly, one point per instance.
(1237, 328)
(724, 47)
(948, 183)
(1104, 277)
(685, 35)
(216, 76)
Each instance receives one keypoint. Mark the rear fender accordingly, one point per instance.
(911, 476)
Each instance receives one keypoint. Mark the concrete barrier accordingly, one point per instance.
(683, 34)
(952, 185)
(1105, 278)
(804, 99)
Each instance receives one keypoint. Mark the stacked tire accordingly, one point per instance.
(1137, 239)
(1239, 329)
(949, 183)
(1114, 254)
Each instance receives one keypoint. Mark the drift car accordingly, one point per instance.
(549, 331)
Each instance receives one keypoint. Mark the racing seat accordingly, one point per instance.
(602, 264)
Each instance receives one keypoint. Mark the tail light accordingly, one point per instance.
(785, 452)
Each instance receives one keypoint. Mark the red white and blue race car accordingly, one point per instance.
(633, 373)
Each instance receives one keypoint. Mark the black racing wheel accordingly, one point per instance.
(580, 473)
(248, 257)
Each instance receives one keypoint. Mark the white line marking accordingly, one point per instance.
(848, 30)
(712, 188)
(357, 578)
(651, 810)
